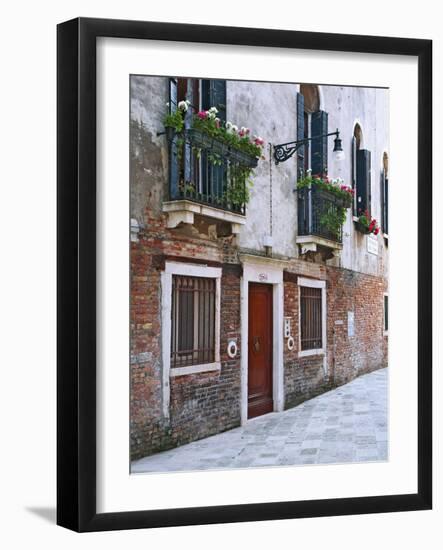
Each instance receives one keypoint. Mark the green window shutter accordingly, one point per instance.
(214, 95)
(354, 174)
(300, 134)
(319, 146)
(384, 202)
(173, 160)
(214, 177)
(363, 181)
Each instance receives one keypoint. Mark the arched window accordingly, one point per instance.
(384, 193)
(311, 121)
(361, 173)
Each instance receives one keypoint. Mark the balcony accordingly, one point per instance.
(316, 207)
(206, 179)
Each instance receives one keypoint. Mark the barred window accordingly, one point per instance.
(192, 321)
(311, 318)
(386, 314)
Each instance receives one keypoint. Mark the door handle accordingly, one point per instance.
(256, 344)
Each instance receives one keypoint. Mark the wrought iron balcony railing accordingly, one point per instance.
(314, 207)
(199, 179)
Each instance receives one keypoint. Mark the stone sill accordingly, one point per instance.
(309, 243)
(194, 369)
(183, 211)
(311, 352)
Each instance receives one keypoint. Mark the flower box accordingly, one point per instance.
(362, 228)
(332, 197)
(240, 157)
(202, 140)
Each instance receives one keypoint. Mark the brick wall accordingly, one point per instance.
(200, 404)
(367, 349)
(347, 357)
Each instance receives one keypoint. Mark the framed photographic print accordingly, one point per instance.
(244, 274)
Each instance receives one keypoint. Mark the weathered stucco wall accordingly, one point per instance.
(369, 107)
(270, 110)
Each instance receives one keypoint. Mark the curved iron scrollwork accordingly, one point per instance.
(284, 152)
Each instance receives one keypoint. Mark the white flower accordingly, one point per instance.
(228, 125)
(309, 170)
(213, 110)
(183, 105)
(234, 128)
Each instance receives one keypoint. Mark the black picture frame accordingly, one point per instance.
(76, 294)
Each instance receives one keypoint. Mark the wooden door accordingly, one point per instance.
(260, 399)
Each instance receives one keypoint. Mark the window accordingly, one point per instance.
(311, 122)
(386, 314)
(312, 316)
(361, 173)
(384, 194)
(192, 321)
(192, 174)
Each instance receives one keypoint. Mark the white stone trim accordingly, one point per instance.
(135, 230)
(310, 242)
(193, 270)
(385, 332)
(194, 369)
(183, 211)
(314, 283)
(190, 270)
(259, 269)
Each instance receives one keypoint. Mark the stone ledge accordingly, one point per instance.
(310, 243)
(183, 211)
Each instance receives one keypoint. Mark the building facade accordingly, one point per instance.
(240, 309)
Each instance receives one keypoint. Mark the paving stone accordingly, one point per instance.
(345, 425)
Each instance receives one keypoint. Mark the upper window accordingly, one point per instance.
(361, 173)
(191, 173)
(384, 194)
(193, 323)
(311, 122)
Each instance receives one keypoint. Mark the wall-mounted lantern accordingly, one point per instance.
(284, 151)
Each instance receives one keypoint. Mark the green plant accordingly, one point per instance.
(334, 186)
(368, 223)
(335, 217)
(238, 186)
(333, 220)
(237, 190)
(175, 120)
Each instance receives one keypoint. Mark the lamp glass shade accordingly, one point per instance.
(339, 155)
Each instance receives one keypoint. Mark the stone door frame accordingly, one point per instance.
(261, 269)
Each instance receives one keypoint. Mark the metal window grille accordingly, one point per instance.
(311, 317)
(386, 315)
(192, 321)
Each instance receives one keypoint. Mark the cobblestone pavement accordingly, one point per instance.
(347, 424)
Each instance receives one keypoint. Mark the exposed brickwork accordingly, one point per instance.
(303, 377)
(200, 404)
(347, 357)
(367, 349)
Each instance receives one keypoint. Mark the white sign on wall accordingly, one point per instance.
(372, 244)
(350, 323)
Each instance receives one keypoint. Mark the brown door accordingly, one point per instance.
(260, 350)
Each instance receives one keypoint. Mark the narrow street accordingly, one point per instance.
(347, 424)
